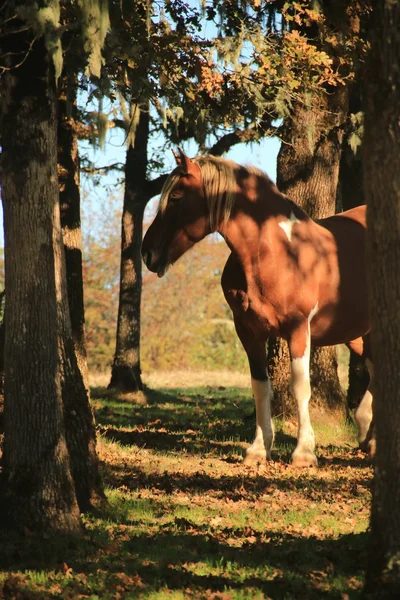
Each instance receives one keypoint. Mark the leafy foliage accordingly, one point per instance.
(55, 19)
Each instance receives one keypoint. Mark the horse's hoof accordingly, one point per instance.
(252, 459)
(369, 447)
(304, 459)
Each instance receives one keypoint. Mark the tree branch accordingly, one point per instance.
(154, 187)
(263, 129)
(91, 170)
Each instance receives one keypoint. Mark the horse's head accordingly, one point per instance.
(182, 219)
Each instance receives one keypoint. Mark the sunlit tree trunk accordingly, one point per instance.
(382, 188)
(79, 420)
(38, 491)
(308, 168)
(126, 371)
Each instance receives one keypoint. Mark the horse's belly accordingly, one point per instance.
(339, 327)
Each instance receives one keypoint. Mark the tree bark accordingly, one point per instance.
(351, 194)
(79, 420)
(2, 334)
(308, 169)
(126, 371)
(68, 174)
(382, 187)
(38, 488)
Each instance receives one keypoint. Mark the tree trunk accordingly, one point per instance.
(2, 333)
(126, 372)
(308, 168)
(351, 194)
(382, 187)
(39, 491)
(79, 420)
(68, 175)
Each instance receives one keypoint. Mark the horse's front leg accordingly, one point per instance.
(299, 347)
(260, 449)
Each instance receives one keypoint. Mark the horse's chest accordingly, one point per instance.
(238, 301)
(250, 304)
(250, 311)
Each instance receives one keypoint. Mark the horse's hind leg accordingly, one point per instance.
(260, 449)
(299, 347)
(364, 413)
(364, 416)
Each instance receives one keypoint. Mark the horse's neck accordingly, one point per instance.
(257, 223)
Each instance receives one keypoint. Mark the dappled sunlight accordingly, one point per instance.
(186, 518)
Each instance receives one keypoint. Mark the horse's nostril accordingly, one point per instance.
(146, 257)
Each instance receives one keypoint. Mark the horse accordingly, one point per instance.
(287, 276)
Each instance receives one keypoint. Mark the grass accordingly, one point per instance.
(186, 519)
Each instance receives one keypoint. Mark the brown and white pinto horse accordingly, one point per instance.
(287, 276)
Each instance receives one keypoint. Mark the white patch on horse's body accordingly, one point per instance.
(287, 225)
(301, 389)
(260, 449)
(363, 414)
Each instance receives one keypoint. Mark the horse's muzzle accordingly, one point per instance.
(154, 263)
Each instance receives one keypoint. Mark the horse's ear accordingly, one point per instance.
(177, 157)
(182, 159)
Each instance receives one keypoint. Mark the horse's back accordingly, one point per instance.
(357, 215)
(349, 232)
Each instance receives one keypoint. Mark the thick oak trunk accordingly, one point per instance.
(126, 371)
(382, 188)
(38, 490)
(308, 168)
(2, 336)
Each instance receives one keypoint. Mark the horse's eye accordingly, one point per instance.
(174, 197)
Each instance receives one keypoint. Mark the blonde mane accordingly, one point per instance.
(219, 184)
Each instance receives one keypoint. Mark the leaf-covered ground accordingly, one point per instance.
(186, 519)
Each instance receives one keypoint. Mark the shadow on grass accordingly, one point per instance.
(197, 561)
(281, 566)
(244, 485)
(192, 442)
(176, 410)
(195, 420)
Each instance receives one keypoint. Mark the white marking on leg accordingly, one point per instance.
(287, 225)
(301, 389)
(363, 414)
(260, 449)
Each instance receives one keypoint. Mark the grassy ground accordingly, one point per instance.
(186, 519)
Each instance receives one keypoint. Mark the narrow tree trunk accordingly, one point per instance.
(351, 194)
(382, 187)
(39, 491)
(79, 420)
(68, 173)
(308, 168)
(126, 372)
